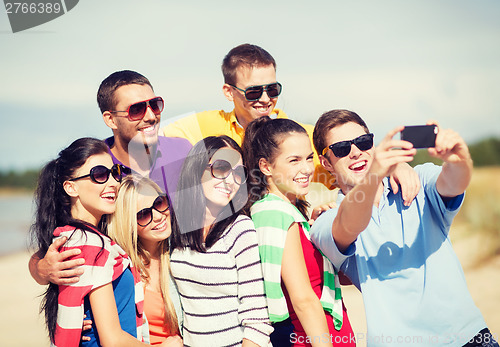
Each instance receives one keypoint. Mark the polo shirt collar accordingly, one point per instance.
(110, 141)
(232, 117)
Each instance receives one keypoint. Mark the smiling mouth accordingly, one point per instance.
(359, 166)
(262, 109)
(224, 191)
(162, 226)
(111, 196)
(148, 129)
(302, 180)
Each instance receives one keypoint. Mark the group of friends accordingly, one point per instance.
(200, 233)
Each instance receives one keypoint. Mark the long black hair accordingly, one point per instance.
(190, 201)
(263, 137)
(53, 209)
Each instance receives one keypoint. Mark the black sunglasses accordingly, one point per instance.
(343, 148)
(221, 169)
(137, 111)
(145, 216)
(254, 93)
(100, 173)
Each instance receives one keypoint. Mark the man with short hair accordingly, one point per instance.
(399, 256)
(132, 110)
(250, 84)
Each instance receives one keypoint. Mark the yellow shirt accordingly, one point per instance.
(214, 123)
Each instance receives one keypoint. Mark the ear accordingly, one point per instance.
(109, 120)
(228, 92)
(70, 189)
(326, 163)
(265, 167)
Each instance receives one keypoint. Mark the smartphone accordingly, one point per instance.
(421, 136)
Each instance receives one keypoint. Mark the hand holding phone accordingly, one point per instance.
(421, 136)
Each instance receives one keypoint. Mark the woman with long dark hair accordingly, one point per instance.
(215, 259)
(301, 284)
(74, 193)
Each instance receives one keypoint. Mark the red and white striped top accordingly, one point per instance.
(105, 261)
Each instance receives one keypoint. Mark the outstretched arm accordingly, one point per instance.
(457, 167)
(356, 209)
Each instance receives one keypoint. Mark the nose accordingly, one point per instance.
(355, 151)
(111, 182)
(230, 179)
(150, 115)
(308, 167)
(264, 98)
(157, 216)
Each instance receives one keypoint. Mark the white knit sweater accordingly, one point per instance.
(222, 291)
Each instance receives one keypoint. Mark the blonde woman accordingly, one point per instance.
(141, 225)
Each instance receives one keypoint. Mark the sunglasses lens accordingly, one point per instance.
(144, 216)
(156, 105)
(274, 90)
(364, 142)
(116, 172)
(99, 174)
(137, 111)
(221, 169)
(254, 93)
(161, 204)
(341, 149)
(240, 175)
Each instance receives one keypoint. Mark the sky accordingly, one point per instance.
(393, 62)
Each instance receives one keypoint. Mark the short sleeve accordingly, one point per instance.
(321, 236)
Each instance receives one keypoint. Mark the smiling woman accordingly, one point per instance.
(74, 192)
(302, 287)
(142, 226)
(215, 259)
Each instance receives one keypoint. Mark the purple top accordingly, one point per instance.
(165, 162)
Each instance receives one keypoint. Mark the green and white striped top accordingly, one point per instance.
(273, 217)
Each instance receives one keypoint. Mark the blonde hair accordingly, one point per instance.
(122, 228)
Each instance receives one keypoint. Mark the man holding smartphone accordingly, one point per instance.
(399, 256)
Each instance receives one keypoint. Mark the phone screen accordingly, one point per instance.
(421, 136)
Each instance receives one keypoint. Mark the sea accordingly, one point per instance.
(16, 215)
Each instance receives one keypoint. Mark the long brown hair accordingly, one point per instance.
(263, 137)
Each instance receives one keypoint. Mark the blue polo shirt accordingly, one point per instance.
(165, 161)
(411, 280)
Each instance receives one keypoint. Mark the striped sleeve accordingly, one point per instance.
(252, 311)
(273, 217)
(103, 264)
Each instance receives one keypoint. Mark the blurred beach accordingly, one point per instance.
(15, 219)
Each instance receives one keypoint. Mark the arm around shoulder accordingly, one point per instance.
(56, 267)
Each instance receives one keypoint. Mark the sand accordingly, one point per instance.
(21, 324)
